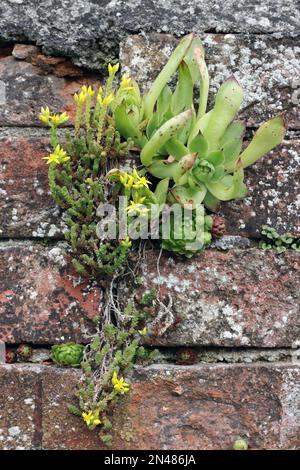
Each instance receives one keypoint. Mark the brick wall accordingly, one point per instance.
(238, 307)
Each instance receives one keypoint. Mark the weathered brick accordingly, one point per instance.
(20, 411)
(59, 66)
(42, 300)
(170, 407)
(273, 196)
(208, 407)
(234, 298)
(27, 88)
(26, 207)
(62, 430)
(267, 67)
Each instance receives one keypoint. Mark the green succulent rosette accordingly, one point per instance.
(188, 235)
(68, 354)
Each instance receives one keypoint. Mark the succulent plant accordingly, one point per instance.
(265, 245)
(218, 226)
(68, 354)
(188, 235)
(10, 356)
(240, 444)
(24, 352)
(200, 152)
(280, 243)
(186, 356)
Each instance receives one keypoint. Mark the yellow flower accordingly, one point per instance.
(58, 156)
(45, 115)
(58, 119)
(143, 332)
(52, 158)
(125, 83)
(90, 91)
(91, 419)
(107, 100)
(127, 243)
(139, 181)
(81, 98)
(120, 385)
(112, 69)
(127, 180)
(137, 207)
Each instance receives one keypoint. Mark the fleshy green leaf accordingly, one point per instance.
(221, 190)
(166, 73)
(127, 128)
(185, 195)
(183, 95)
(199, 145)
(227, 104)
(211, 202)
(231, 151)
(235, 131)
(161, 190)
(216, 158)
(163, 134)
(164, 101)
(176, 148)
(152, 125)
(269, 135)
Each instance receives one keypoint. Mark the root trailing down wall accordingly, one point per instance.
(236, 306)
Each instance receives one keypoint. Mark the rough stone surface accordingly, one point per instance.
(42, 300)
(27, 88)
(90, 31)
(61, 430)
(26, 207)
(234, 298)
(20, 414)
(273, 196)
(170, 407)
(59, 66)
(267, 67)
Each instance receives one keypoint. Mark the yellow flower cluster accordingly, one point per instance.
(113, 69)
(91, 418)
(58, 156)
(143, 332)
(127, 243)
(120, 385)
(85, 92)
(137, 207)
(52, 119)
(125, 83)
(133, 181)
(106, 101)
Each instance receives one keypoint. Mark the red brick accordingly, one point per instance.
(170, 407)
(62, 430)
(242, 297)
(27, 88)
(26, 207)
(20, 411)
(208, 407)
(273, 197)
(42, 300)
